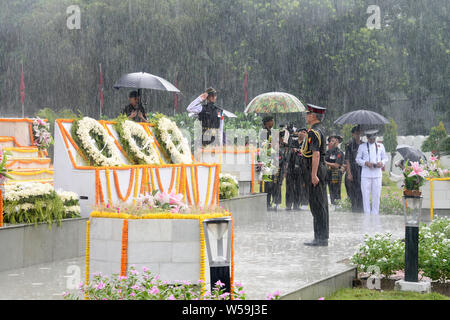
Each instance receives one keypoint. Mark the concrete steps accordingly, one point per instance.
(31, 174)
(23, 152)
(28, 163)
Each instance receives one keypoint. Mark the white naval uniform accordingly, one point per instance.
(197, 107)
(371, 178)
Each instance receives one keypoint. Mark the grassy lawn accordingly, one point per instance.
(366, 294)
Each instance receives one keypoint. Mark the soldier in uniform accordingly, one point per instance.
(294, 182)
(315, 175)
(353, 171)
(334, 159)
(269, 187)
(210, 115)
(134, 110)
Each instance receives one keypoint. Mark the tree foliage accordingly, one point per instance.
(319, 50)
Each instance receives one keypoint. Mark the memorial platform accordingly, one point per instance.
(269, 256)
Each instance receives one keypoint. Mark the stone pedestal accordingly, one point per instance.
(421, 286)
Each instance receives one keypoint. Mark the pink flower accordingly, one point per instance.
(154, 290)
(417, 170)
(132, 294)
(322, 298)
(220, 283)
(171, 297)
(433, 158)
(100, 286)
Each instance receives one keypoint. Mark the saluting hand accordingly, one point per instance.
(204, 96)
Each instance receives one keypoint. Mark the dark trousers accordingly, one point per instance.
(273, 190)
(354, 193)
(318, 202)
(292, 190)
(296, 194)
(335, 191)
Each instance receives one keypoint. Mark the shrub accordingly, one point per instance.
(146, 286)
(229, 186)
(388, 255)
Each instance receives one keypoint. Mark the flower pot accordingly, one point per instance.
(412, 193)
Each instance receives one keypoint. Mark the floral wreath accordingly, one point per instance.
(94, 141)
(139, 146)
(173, 141)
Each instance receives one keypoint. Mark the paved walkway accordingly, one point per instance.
(269, 256)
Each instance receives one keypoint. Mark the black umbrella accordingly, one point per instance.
(363, 117)
(143, 80)
(410, 153)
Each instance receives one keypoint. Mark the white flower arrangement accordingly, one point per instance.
(180, 152)
(19, 191)
(67, 196)
(88, 144)
(145, 155)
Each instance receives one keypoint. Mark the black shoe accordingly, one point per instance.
(317, 243)
(288, 208)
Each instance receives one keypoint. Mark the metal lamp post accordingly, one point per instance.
(218, 244)
(412, 210)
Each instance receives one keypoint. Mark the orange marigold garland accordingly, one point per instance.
(87, 258)
(130, 185)
(124, 254)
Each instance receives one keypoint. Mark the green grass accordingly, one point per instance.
(366, 294)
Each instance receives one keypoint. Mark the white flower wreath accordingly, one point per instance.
(131, 129)
(85, 126)
(180, 152)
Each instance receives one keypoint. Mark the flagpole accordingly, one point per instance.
(22, 91)
(100, 100)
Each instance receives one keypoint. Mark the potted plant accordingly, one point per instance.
(415, 175)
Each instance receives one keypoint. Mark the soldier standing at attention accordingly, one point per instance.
(316, 172)
(334, 159)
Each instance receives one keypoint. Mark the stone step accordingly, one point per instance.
(9, 181)
(31, 174)
(6, 142)
(28, 163)
(23, 152)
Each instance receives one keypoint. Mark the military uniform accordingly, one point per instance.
(295, 186)
(130, 108)
(334, 175)
(318, 199)
(353, 187)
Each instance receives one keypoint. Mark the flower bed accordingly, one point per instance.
(388, 255)
(135, 285)
(38, 202)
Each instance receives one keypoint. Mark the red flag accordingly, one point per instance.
(246, 88)
(22, 86)
(175, 96)
(100, 87)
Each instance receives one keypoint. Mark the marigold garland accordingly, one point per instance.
(207, 189)
(136, 190)
(31, 173)
(108, 185)
(172, 178)
(130, 185)
(87, 258)
(124, 253)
